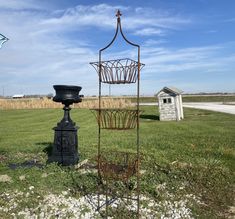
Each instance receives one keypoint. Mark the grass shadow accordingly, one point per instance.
(26, 164)
(150, 117)
(48, 147)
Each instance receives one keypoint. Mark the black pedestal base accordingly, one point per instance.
(65, 147)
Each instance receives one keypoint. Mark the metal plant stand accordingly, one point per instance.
(3, 39)
(118, 169)
(65, 147)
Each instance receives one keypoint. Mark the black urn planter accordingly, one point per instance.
(65, 147)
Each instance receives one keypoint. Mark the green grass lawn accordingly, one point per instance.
(194, 156)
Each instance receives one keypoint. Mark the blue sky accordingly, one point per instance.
(189, 44)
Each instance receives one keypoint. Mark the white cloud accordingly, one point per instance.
(151, 42)
(41, 53)
(102, 16)
(19, 4)
(162, 60)
(194, 69)
(32, 60)
(149, 31)
(96, 15)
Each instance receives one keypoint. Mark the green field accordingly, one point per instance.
(193, 157)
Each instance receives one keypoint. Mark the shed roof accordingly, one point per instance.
(171, 89)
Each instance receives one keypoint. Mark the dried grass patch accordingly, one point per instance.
(48, 103)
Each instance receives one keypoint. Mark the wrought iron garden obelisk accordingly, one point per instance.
(3, 39)
(119, 170)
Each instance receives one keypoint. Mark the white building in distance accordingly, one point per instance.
(170, 104)
(18, 96)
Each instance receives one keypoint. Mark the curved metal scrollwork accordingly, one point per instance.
(126, 165)
(3, 39)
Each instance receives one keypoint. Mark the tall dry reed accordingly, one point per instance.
(48, 103)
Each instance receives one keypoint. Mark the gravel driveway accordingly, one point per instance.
(214, 106)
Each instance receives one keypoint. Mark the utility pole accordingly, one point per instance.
(109, 90)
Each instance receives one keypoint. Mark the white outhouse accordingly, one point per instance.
(170, 104)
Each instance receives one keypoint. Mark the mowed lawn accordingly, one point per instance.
(194, 156)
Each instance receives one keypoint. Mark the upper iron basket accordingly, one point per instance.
(118, 71)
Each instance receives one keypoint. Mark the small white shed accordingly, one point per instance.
(170, 104)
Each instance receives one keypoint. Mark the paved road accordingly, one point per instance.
(214, 106)
(217, 106)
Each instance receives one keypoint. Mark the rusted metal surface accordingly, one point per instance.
(119, 119)
(118, 71)
(118, 165)
(127, 166)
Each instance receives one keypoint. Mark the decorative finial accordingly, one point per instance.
(118, 15)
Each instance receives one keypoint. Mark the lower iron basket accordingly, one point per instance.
(119, 119)
(118, 165)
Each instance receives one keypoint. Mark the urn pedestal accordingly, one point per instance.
(65, 147)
